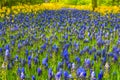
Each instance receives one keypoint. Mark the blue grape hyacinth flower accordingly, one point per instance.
(33, 77)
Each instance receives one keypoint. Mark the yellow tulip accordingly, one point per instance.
(55, 6)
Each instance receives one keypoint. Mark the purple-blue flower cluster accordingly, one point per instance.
(60, 45)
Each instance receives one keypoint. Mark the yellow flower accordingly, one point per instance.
(55, 6)
(2, 15)
(106, 74)
(3, 75)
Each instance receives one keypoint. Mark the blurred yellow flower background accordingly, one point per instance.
(54, 6)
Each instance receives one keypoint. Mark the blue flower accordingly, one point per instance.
(100, 42)
(23, 70)
(81, 52)
(39, 71)
(22, 76)
(115, 57)
(104, 59)
(66, 75)
(94, 49)
(16, 58)
(9, 66)
(81, 72)
(58, 75)
(65, 54)
(103, 25)
(66, 46)
(80, 36)
(69, 66)
(76, 45)
(99, 53)
(14, 28)
(19, 45)
(45, 62)
(44, 46)
(86, 40)
(50, 73)
(41, 51)
(1, 50)
(55, 48)
(36, 60)
(77, 59)
(1, 25)
(90, 52)
(66, 36)
(104, 52)
(26, 52)
(100, 75)
(29, 64)
(114, 48)
(7, 47)
(7, 55)
(87, 63)
(110, 54)
(86, 49)
(60, 65)
(18, 71)
(13, 42)
(33, 77)
(73, 66)
(93, 75)
(106, 35)
(29, 58)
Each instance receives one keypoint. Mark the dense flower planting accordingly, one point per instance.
(54, 6)
(60, 44)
